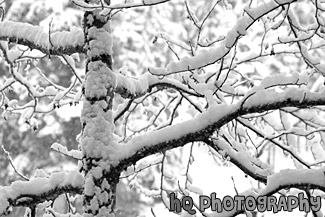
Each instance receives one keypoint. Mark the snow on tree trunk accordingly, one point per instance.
(97, 141)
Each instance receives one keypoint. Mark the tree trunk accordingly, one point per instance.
(97, 140)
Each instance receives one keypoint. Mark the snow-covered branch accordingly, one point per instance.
(135, 87)
(289, 149)
(39, 189)
(204, 125)
(119, 6)
(241, 158)
(61, 42)
(76, 154)
(137, 4)
(11, 163)
(207, 57)
(311, 178)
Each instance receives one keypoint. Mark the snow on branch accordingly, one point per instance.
(137, 4)
(208, 57)
(109, 8)
(239, 156)
(204, 125)
(61, 42)
(312, 178)
(12, 164)
(292, 151)
(172, 40)
(129, 87)
(39, 189)
(76, 154)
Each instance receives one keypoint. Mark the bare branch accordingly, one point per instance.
(12, 165)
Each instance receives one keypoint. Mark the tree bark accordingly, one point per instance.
(97, 140)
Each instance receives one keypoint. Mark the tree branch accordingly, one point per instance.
(132, 88)
(204, 125)
(242, 159)
(208, 57)
(57, 43)
(40, 189)
(108, 8)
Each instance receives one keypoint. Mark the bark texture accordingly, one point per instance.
(97, 140)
